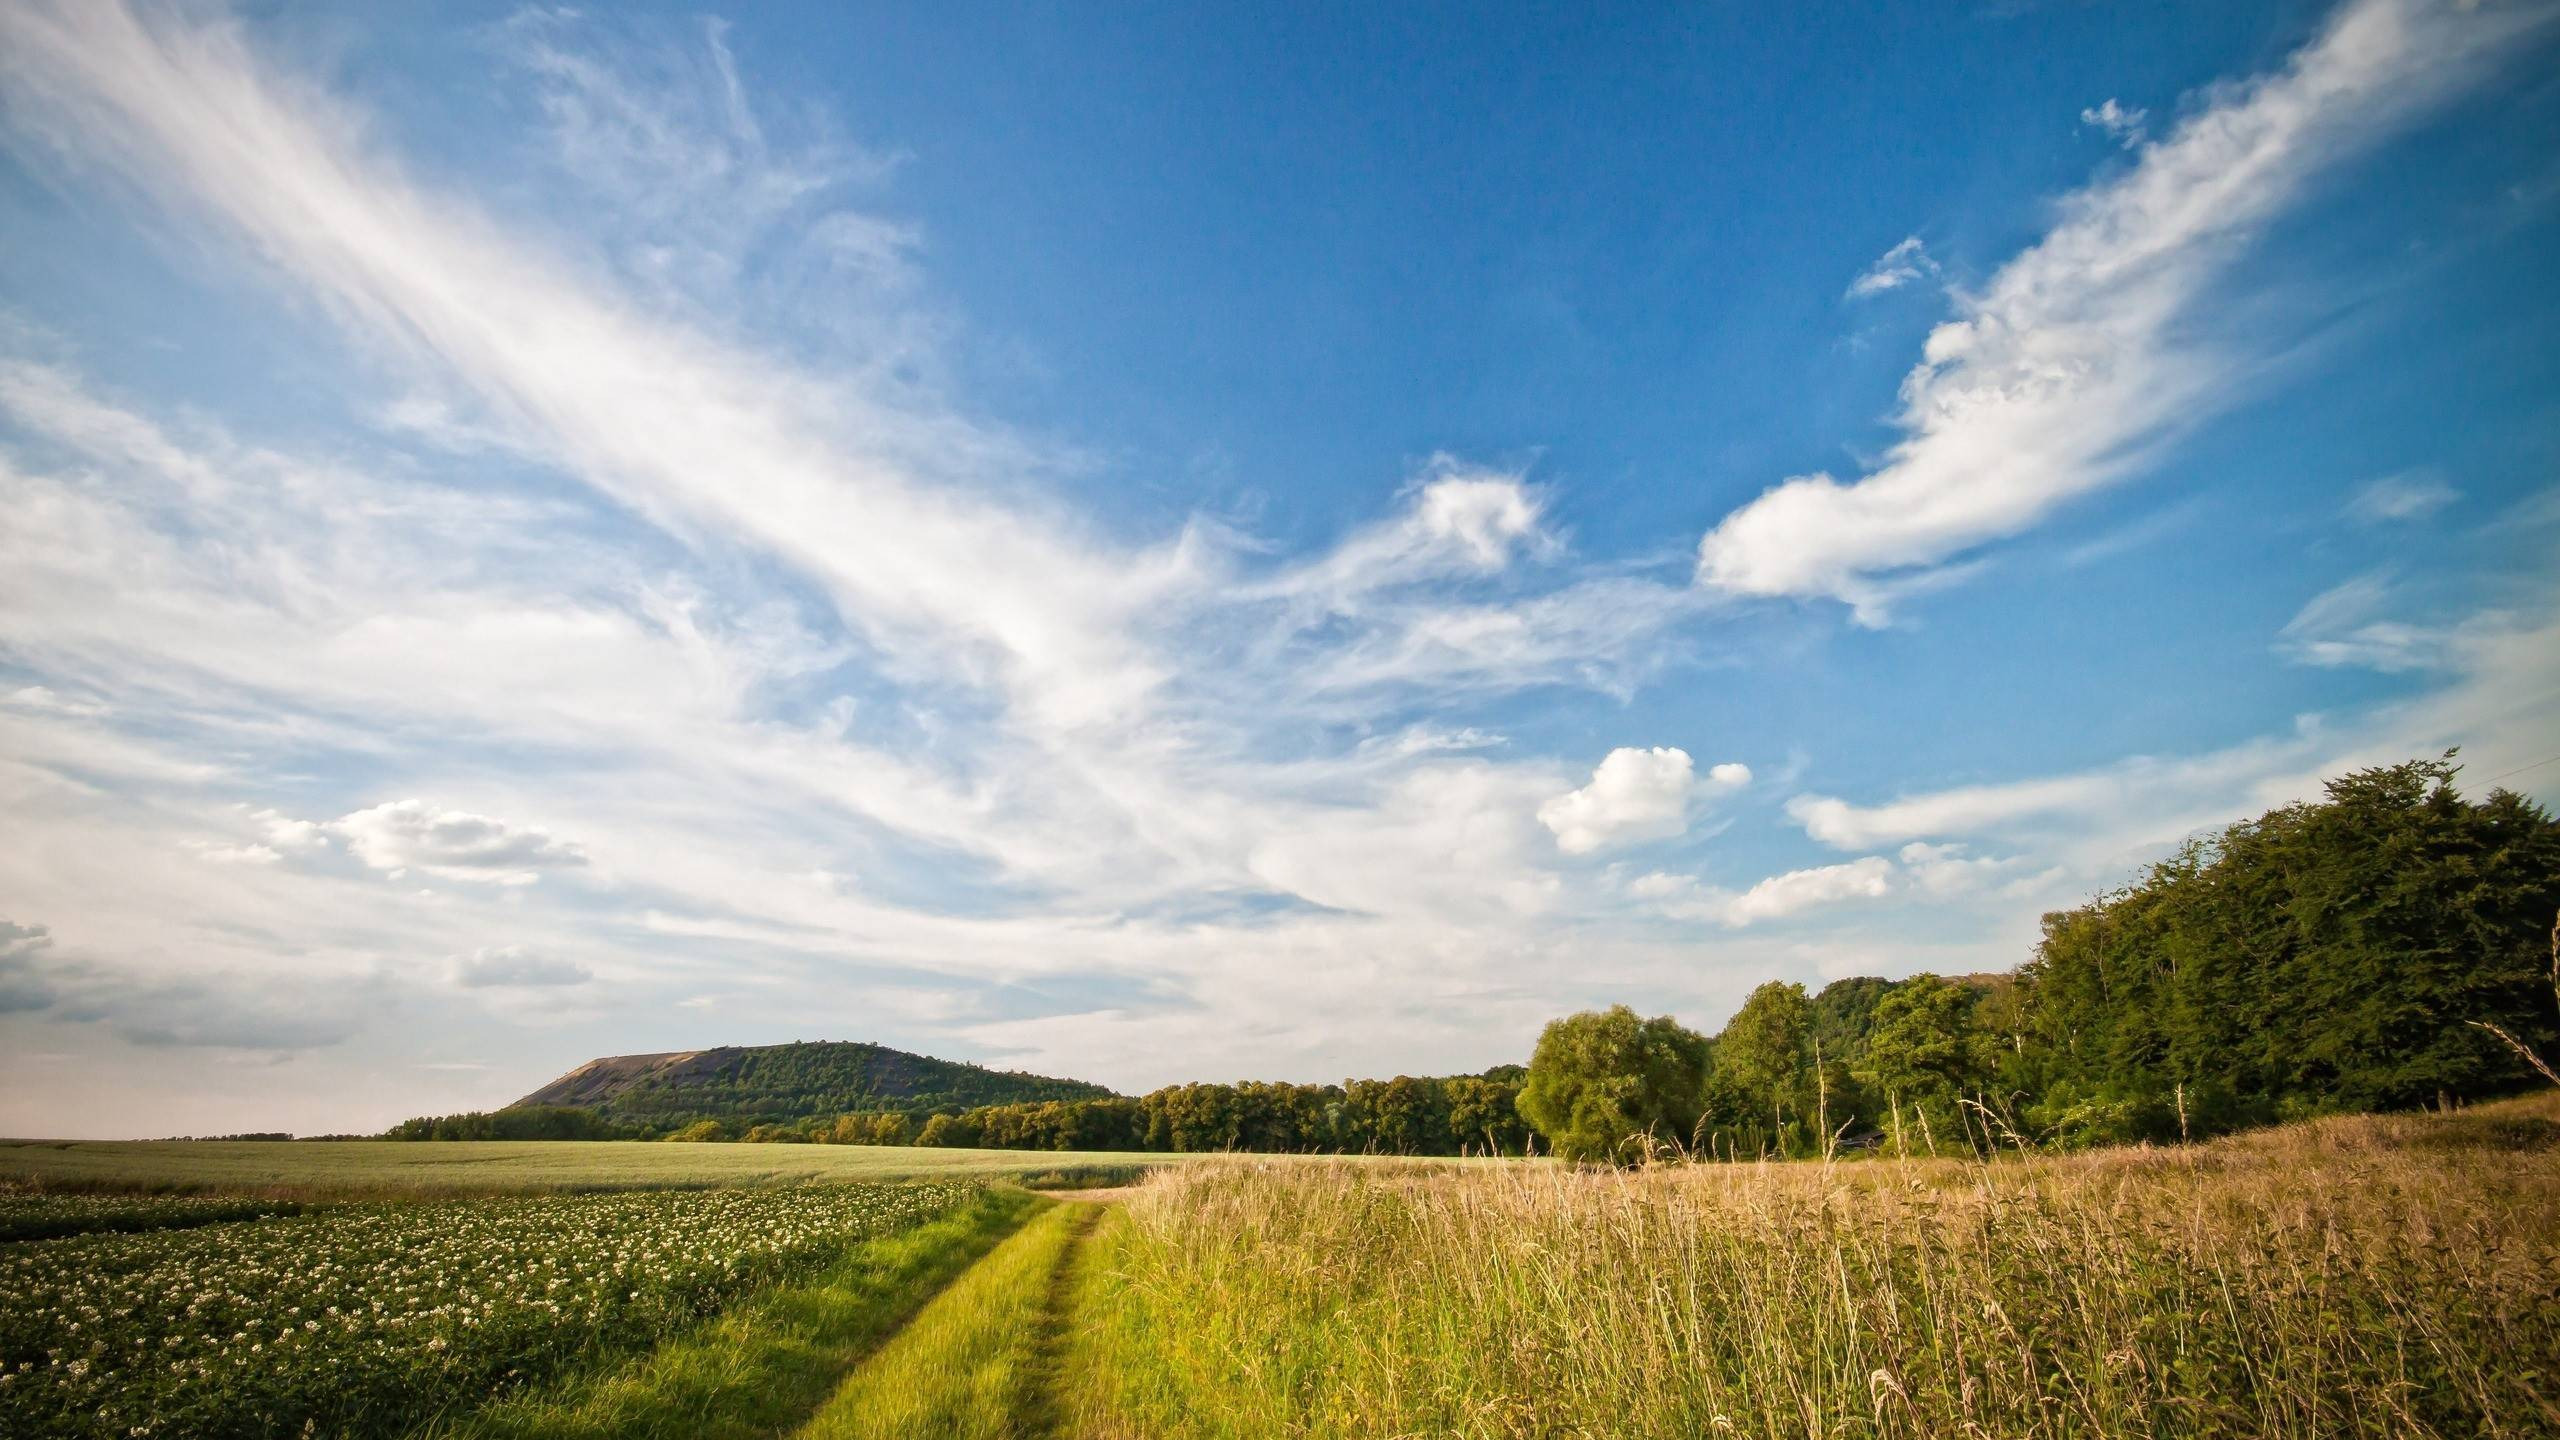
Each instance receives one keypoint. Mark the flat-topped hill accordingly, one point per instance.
(762, 1083)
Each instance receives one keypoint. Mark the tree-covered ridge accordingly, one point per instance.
(776, 1084)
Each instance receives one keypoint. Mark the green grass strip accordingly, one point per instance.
(977, 1363)
(767, 1362)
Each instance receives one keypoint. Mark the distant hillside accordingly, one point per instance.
(766, 1083)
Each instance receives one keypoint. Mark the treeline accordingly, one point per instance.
(516, 1122)
(1408, 1115)
(2334, 955)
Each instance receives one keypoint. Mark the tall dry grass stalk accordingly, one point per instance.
(2375, 1276)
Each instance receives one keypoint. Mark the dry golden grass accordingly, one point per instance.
(2372, 1276)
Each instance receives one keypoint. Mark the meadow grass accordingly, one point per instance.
(2367, 1276)
(392, 1169)
(768, 1362)
(978, 1363)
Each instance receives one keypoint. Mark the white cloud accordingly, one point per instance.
(2122, 124)
(2503, 685)
(2343, 628)
(1447, 842)
(1949, 870)
(39, 697)
(512, 967)
(285, 833)
(2410, 495)
(1907, 261)
(1457, 520)
(2081, 356)
(886, 506)
(401, 835)
(218, 854)
(1635, 795)
(1935, 872)
(1681, 897)
(1801, 890)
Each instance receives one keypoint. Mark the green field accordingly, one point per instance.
(463, 1167)
(2377, 1275)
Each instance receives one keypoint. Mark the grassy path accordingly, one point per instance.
(763, 1367)
(981, 1361)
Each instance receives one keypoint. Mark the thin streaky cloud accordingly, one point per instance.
(2079, 358)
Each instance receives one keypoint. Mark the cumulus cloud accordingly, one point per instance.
(402, 835)
(285, 833)
(2121, 123)
(1907, 261)
(2410, 495)
(1799, 890)
(513, 966)
(2082, 355)
(1794, 892)
(1635, 795)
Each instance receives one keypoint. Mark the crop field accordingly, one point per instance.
(385, 1168)
(38, 1216)
(362, 1318)
(2376, 1276)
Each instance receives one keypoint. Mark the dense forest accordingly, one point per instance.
(2349, 953)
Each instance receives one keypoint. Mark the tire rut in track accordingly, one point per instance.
(984, 1359)
(1040, 1414)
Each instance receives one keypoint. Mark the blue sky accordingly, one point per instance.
(1192, 546)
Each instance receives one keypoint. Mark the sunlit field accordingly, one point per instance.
(2379, 1275)
(2369, 1276)
(378, 1167)
(364, 1318)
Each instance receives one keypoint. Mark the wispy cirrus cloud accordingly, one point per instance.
(2390, 499)
(2077, 359)
(1905, 263)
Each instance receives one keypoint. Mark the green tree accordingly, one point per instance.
(1767, 1049)
(2346, 953)
(1604, 1080)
